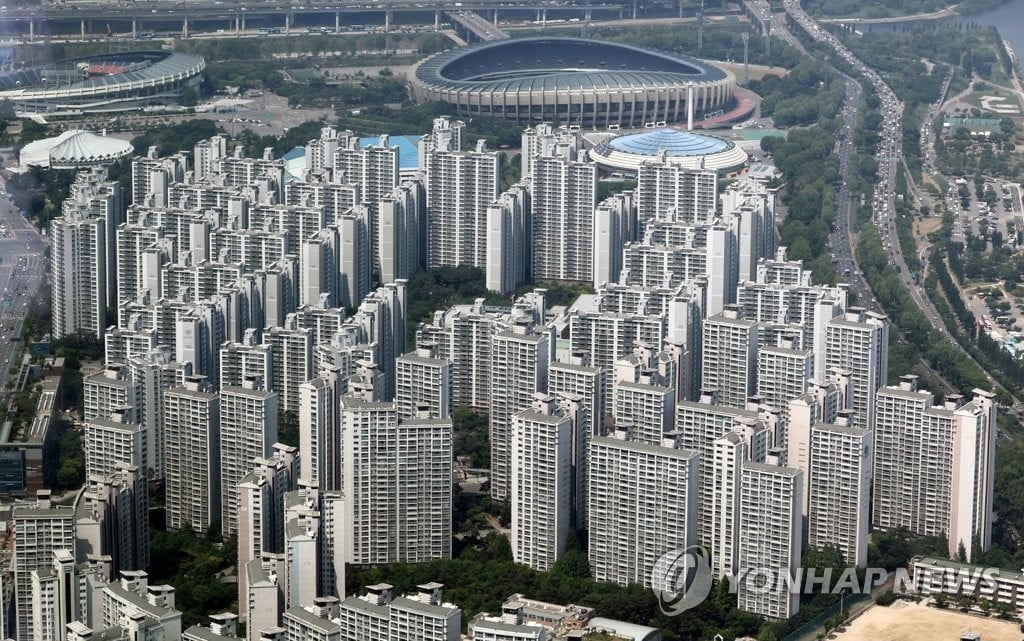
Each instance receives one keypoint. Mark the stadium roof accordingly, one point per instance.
(537, 64)
(687, 149)
(73, 149)
(672, 141)
(161, 64)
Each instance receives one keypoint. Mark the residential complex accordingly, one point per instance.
(706, 394)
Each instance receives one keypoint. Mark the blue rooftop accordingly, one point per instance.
(408, 149)
(293, 153)
(672, 141)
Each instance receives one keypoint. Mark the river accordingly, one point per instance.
(1009, 20)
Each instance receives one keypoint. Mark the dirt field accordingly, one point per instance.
(906, 621)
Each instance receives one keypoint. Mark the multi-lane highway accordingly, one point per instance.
(22, 270)
(888, 156)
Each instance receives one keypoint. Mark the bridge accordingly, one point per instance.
(914, 17)
(275, 16)
(473, 23)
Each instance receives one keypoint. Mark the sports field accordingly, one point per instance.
(908, 621)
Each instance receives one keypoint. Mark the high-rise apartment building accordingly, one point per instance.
(933, 465)
(667, 191)
(40, 530)
(858, 341)
(397, 484)
(508, 239)
(642, 504)
(248, 431)
(839, 490)
(518, 370)
(729, 357)
(320, 433)
(375, 169)
(78, 262)
(562, 205)
(423, 385)
(460, 186)
(292, 354)
(192, 433)
(541, 486)
(769, 542)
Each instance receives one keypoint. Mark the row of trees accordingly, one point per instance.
(252, 49)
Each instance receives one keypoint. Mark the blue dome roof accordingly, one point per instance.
(672, 141)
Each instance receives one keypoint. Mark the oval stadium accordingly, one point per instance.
(571, 80)
(108, 82)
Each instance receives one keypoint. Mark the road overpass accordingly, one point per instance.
(470, 22)
(281, 17)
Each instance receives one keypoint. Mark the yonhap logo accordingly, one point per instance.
(681, 580)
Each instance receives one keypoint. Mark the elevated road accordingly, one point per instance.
(473, 23)
(914, 17)
(232, 16)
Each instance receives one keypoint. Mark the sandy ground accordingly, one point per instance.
(907, 621)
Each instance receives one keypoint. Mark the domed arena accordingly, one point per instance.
(581, 82)
(687, 149)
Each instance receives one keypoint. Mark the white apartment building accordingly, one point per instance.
(320, 433)
(518, 369)
(460, 186)
(769, 538)
(261, 495)
(402, 221)
(78, 263)
(40, 530)
(109, 441)
(666, 191)
(642, 503)
(858, 341)
(375, 168)
(783, 373)
(614, 225)
(562, 204)
(729, 357)
(649, 409)
(53, 603)
(839, 490)
(112, 519)
(700, 424)
(397, 484)
(377, 616)
(934, 465)
(292, 354)
(192, 448)
(248, 431)
(508, 239)
(584, 381)
(423, 385)
(246, 358)
(541, 490)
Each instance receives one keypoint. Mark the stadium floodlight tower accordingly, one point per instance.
(746, 57)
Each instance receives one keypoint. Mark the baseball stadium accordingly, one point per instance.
(111, 82)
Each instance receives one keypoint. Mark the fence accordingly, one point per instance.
(807, 630)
